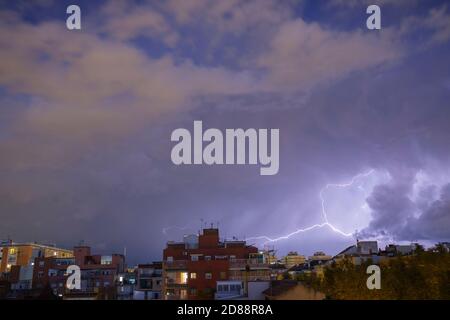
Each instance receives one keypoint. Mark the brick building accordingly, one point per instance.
(99, 274)
(192, 268)
(148, 281)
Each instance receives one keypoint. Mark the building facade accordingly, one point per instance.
(192, 268)
(99, 274)
(293, 259)
(23, 254)
(149, 281)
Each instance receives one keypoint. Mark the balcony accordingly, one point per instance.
(150, 275)
(172, 283)
(241, 264)
(175, 265)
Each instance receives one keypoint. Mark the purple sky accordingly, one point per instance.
(86, 118)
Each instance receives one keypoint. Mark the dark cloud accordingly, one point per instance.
(90, 159)
(395, 214)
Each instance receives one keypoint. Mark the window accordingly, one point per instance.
(183, 277)
(235, 287)
(194, 257)
(169, 259)
(223, 288)
(193, 275)
(193, 292)
(52, 273)
(12, 257)
(106, 260)
(223, 275)
(208, 275)
(207, 258)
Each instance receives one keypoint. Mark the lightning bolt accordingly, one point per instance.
(326, 223)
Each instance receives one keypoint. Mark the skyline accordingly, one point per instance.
(86, 118)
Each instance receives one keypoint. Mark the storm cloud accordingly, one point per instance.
(86, 119)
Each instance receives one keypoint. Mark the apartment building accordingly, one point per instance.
(99, 274)
(293, 259)
(192, 268)
(149, 281)
(23, 254)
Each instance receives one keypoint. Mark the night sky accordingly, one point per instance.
(86, 118)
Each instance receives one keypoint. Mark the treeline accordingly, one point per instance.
(423, 275)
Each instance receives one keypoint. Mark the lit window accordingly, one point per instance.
(193, 275)
(184, 276)
(223, 275)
